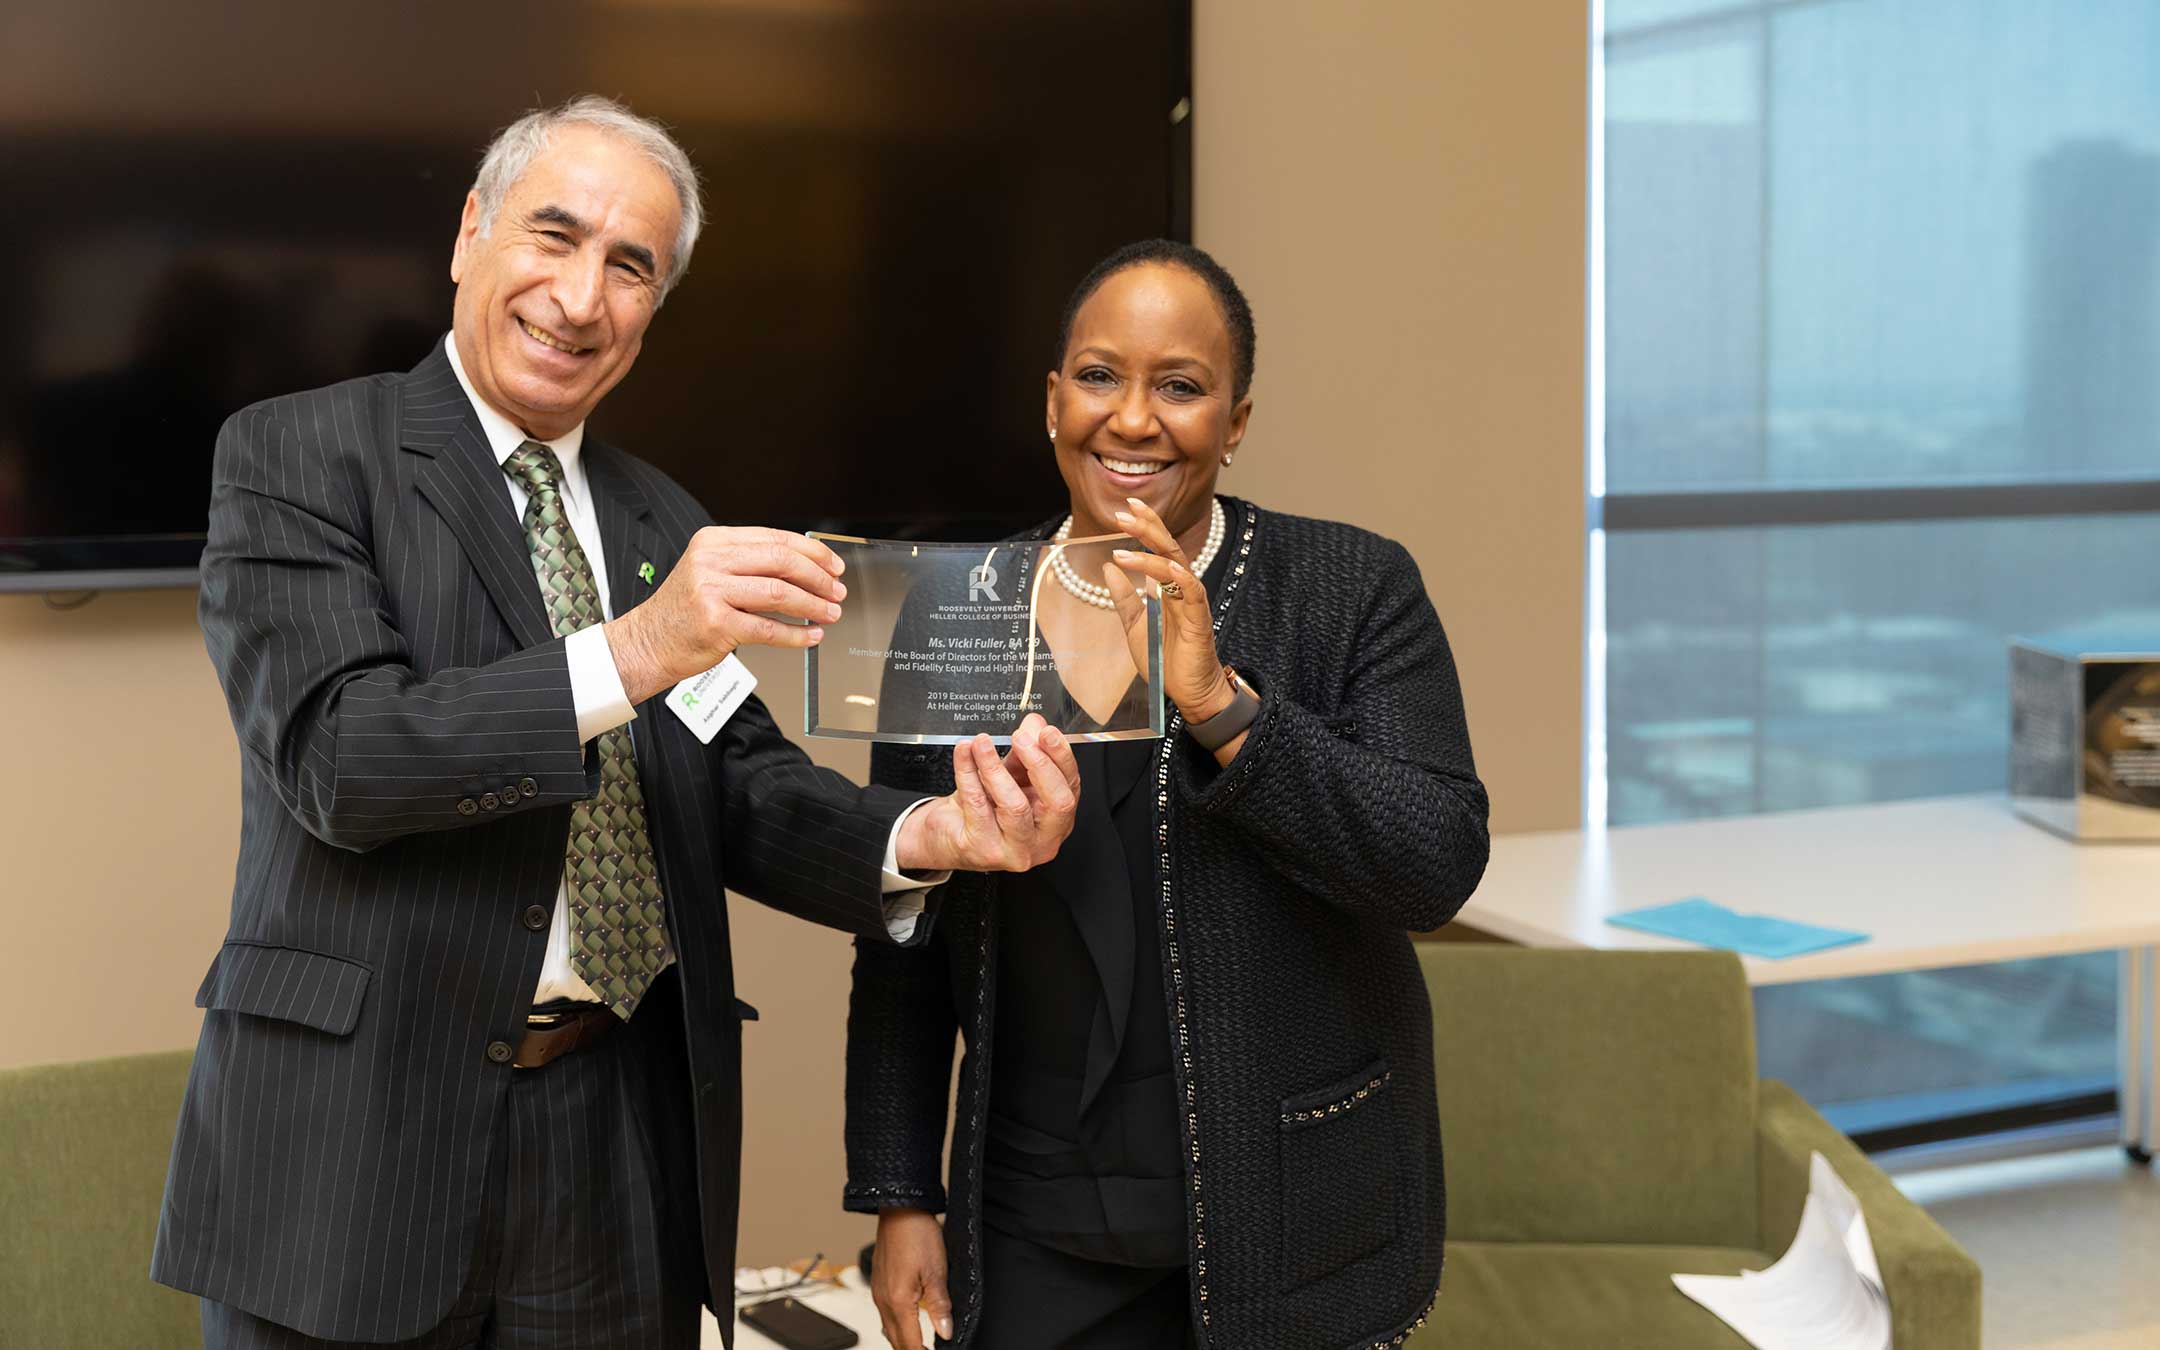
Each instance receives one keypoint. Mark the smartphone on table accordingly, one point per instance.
(798, 1326)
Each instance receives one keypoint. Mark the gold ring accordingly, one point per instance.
(1173, 590)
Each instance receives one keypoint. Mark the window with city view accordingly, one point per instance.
(1881, 390)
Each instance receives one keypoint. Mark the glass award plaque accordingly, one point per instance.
(939, 643)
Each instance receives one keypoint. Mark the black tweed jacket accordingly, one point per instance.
(1316, 1206)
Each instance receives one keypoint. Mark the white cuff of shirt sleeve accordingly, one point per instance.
(904, 895)
(595, 686)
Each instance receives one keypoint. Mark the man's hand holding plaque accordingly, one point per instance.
(722, 594)
(1005, 815)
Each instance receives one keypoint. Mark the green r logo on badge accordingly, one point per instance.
(644, 571)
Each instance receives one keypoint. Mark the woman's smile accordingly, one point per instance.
(1127, 477)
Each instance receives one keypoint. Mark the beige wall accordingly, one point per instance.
(117, 837)
(1398, 185)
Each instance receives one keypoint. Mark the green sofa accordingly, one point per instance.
(83, 1149)
(1604, 1128)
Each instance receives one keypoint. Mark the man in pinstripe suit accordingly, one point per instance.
(469, 1073)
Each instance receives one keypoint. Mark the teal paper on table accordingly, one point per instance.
(1709, 925)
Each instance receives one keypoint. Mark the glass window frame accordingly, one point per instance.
(1608, 513)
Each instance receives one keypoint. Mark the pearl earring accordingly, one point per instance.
(1226, 460)
(1053, 433)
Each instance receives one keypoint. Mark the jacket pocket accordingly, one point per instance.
(1338, 1174)
(292, 985)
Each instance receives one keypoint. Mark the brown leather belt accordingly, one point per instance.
(550, 1036)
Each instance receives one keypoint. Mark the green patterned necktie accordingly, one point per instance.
(618, 928)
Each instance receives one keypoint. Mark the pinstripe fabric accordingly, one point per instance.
(370, 607)
(581, 1243)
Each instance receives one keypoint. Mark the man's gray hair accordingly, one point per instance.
(520, 143)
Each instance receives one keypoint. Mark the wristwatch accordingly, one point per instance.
(1225, 726)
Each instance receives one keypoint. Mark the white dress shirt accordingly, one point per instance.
(596, 689)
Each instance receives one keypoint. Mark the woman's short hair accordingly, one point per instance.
(519, 144)
(1236, 312)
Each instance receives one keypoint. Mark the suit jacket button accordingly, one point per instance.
(468, 807)
(500, 1051)
(528, 788)
(536, 917)
(510, 794)
(489, 801)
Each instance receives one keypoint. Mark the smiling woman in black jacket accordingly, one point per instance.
(1197, 1104)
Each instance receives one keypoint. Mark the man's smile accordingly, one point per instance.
(547, 339)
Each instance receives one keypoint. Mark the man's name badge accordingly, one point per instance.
(705, 702)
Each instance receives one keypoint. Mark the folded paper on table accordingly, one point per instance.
(1709, 925)
(1825, 1293)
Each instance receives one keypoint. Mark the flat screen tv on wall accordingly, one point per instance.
(213, 203)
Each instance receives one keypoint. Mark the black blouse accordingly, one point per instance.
(1081, 1142)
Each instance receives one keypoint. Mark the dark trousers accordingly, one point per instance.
(588, 1233)
(1038, 1299)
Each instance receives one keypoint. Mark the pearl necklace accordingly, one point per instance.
(1089, 592)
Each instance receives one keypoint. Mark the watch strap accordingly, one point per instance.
(1227, 725)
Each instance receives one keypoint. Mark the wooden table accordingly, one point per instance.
(1946, 881)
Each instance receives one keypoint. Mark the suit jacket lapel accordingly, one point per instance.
(466, 486)
(630, 542)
